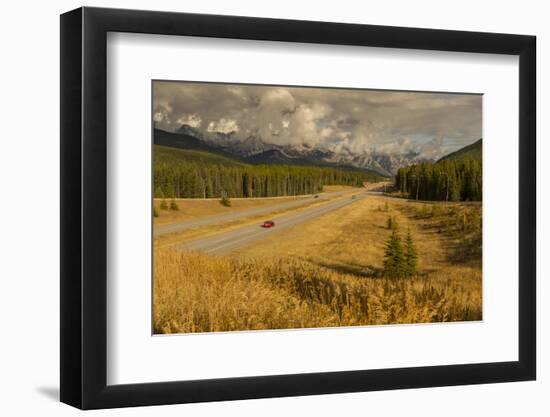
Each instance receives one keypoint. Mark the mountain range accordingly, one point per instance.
(255, 151)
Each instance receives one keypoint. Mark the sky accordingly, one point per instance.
(342, 120)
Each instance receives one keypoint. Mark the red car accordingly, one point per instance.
(268, 224)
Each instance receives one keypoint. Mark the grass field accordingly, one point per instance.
(328, 272)
(191, 209)
(196, 208)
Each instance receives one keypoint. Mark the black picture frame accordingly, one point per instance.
(84, 207)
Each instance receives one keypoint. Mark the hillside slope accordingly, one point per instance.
(183, 141)
(472, 151)
(169, 155)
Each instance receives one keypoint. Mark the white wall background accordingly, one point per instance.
(29, 225)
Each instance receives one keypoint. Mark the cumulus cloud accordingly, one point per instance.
(192, 120)
(348, 120)
(223, 126)
(162, 113)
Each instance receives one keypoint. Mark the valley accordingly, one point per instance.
(288, 207)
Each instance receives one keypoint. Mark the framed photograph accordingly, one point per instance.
(257, 208)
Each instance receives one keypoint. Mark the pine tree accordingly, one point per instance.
(394, 262)
(174, 205)
(225, 201)
(158, 191)
(459, 180)
(184, 176)
(411, 256)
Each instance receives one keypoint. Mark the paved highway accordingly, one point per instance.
(226, 242)
(219, 218)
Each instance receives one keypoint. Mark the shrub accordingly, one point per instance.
(225, 201)
(174, 205)
(163, 205)
(155, 211)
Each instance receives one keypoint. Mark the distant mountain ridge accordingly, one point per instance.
(255, 151)
(472, 151)
(185, 141)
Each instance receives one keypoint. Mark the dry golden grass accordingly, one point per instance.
(198, 293)
(353, 238)
(192, 209)
(194, 292)
(333, 188)
(379, 186)
(327, 273)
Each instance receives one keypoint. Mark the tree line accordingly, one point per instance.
(448, 180)
(190, 179)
